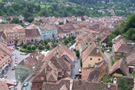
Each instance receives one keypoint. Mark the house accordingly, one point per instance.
(28, 65)
(69, 84)
(14, 35)
(55, 66)
(47, 31)
(5, 84)
(7, 26)
(65, 30)
(32, 35)
(96, 74)
(5, 58)
(119, 68)
(119, 37)
(104, 41)
(84, 40)
(91, 56)
(51, 71)
(2, 19)
(131, 62)
(121, 49)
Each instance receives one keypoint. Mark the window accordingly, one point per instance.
(89, 65)
(99, 59)
(86, 43)
(42, 78)
(90, 58)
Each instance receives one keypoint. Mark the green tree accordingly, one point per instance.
(41, 47)
(77, 53)
(48, 47)
(25, 46)
(16, 20)
(45, 42)
(28, 47)
(66, 41)
(33, 47)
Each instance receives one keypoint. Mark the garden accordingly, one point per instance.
(31, 47)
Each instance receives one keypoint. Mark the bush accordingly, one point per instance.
(25, 46)
(33, 47)
(28, 47)
(45, 42)
(48, 47)
(41, 47)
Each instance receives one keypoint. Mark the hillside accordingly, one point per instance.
(127, 29)
(93, 8)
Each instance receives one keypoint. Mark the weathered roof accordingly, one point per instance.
(77, 85)
(121, 47)
(32, 33)
(94, 75)
(60, 50)
(92, 50)
(47, 27)
(119, 65)
(3, 57)
(84, 38)
(31, 60)
(131, 60)
(3, 86)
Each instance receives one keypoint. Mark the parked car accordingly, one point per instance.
(26, 84)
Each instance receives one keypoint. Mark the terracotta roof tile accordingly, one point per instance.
(77, 85)
(119, 65)
(32, 33)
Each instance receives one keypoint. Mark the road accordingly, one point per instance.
(76, 66)
(15, 54)
(108, 56)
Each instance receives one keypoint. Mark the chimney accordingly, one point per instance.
(97, 49)
(71, 84)
(108, 85)
(115, 81)
(57, 54)
(37, 57)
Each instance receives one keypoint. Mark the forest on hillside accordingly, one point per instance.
(127, 29)
(64, 8)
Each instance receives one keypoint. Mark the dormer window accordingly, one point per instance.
(99, 59)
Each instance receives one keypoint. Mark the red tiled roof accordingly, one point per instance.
(121, 65)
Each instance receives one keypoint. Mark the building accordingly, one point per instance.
(91, 56)
(32, 35)
(69, 84)
(8, 26)
(28, 65)
(119, 68)
(96, 74)
(65, 30)
(131, 62)
(14, 35)
(104, 41)
(84, 40)
(2, 19)
(122, 50)
(5, 84)
(5, 58)
(47, 31)
(55, 66)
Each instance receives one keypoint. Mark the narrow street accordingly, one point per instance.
(108, 56)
